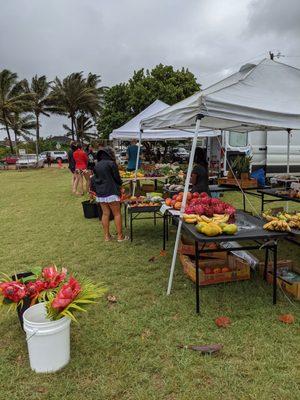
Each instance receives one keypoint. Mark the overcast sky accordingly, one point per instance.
(112, 38)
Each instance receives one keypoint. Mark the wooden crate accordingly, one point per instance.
(239, 270)
(243, 183)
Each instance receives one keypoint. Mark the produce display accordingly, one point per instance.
(173, 187)
(143, 201)
(201, 204)
(212, 215)
(282, 221)
(292, 193)
(151, 171)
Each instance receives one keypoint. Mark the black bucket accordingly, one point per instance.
(90, 210)
(26, 300)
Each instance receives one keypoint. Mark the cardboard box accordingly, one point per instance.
(280, 264)
(291, 288)
(238, 270)
(188, 248)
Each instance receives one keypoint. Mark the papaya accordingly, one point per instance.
(211, 229)
(230, 229)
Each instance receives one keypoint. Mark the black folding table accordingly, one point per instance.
(276, 196)
(259, 237)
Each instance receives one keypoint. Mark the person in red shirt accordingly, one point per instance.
(81, 171)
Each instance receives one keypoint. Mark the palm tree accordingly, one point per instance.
(12, 99)
(39, 88)
(83, 125)
(75, 95)
(21, 125)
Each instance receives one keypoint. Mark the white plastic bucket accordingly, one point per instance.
(48, 341)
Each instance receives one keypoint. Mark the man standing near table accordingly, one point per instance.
(132, 152)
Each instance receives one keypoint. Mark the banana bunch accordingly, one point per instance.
(277, 225)
(290, 220)
(217, 218)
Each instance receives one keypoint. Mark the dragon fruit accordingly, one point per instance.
(199, 209)
(229, 210)
(203, 195)
(218, 209)
(205, 201)
(189, 210)
(214, 201)
(208, 211)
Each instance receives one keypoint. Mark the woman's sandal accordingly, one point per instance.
(124, 239)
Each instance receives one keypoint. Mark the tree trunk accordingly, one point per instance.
(37, 130)
(72, 127)
(8, 135)
(16, 142)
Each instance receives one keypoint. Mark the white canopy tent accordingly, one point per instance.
(131, 130)
(265, 96)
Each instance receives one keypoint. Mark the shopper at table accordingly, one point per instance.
(71, 165)
(132, 152)
(107, 183)
(81, 170)
(199, 177)
(91, 157)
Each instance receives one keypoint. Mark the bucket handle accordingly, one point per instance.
(33, 334)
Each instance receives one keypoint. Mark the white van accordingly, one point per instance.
(268, 150)
(55, 155)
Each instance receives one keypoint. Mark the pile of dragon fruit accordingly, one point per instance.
(202, 204)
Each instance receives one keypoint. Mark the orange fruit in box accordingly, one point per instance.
(168, 201)
(177, 205)
(225, 269)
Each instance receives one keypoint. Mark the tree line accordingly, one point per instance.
(85, 102)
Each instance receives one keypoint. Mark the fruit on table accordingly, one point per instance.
(208, 270)
(200, 226)
(229, 229)
(277, 225)
(217, 270)
(211, 229)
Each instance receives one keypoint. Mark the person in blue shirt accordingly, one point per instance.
(132, 152)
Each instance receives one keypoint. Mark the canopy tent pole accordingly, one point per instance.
(288, 150)
(183, 204)
(137, 161)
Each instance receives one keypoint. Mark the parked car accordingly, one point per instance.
(55, 155)
(29, 161)
(180, 154)
(10, 160)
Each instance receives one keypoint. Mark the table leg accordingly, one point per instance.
(197, 278)
(155, 185)
(266, 263)
(262, 202)
(167, 226)
(244, 201)
(154, 218)
(164, 232)
(131, 230)
(125, 215)
(275, 274)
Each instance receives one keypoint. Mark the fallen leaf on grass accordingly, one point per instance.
(163, 253)
(222, 322)
(287, 318)
(152, 259)
(111, 299)
(145, 334)
(205, 349)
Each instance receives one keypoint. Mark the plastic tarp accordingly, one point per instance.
(262, 96)
(131, 130)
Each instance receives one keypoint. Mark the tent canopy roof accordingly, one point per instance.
(131, 129)
(262, 96)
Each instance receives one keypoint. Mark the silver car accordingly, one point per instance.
(55, 155)
(29, 161)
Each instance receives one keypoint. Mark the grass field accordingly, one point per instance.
(129, 350)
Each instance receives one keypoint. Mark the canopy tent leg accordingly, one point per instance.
(183, 204)
(288, 150)
(137, 162)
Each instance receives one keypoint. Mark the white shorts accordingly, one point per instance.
(107, 199)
